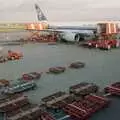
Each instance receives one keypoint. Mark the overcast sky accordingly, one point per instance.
(60, 10)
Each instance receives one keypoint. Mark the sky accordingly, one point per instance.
(60, 10)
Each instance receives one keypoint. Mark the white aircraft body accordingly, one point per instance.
(70, 29)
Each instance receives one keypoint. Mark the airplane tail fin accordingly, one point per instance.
(40, 15)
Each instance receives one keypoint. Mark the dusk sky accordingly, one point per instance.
(60, 10)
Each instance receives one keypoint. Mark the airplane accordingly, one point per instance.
(71, 31)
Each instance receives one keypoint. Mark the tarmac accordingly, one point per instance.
(102, 68)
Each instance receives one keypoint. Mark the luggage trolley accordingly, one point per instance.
(36, 29)
(107, 33)
(106, 36)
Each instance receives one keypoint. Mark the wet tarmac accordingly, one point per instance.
(102, 68)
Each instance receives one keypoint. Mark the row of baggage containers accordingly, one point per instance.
(76, 92)
(18, 107)
(19, 87)
(54, 70)
(102, 44)
(79, 103)
(10, 55)
(85, 108)
(37, 75)
(113, 89)
(27, 80)
(74, 65)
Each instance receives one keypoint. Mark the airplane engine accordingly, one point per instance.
(75, 37)
(67, 36)
(79, 37)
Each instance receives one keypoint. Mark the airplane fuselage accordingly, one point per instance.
(70, 29)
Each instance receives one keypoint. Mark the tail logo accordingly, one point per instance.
(40, 15)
